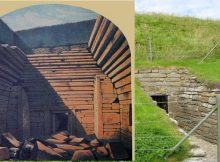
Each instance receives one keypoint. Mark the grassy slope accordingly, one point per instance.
(154, 130)
(179, 41)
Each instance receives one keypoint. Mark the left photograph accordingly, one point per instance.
(65, 85)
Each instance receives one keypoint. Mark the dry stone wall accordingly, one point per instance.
(110, 49)
(189, 99)
(13, 100)
(57, 49)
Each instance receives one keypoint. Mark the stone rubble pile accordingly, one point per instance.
(60, 146)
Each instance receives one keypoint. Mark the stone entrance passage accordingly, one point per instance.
(162, 101)
(190, 98)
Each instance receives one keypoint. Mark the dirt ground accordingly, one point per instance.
(209, 149)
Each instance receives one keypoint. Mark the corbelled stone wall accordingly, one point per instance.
(189, 99)
(110, 49)
(58, 49)
(14, 110)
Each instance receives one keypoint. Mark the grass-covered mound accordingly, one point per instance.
(155, 133)
(178, 41)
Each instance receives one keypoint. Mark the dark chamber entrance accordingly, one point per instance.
(60, 121)
(161, 101)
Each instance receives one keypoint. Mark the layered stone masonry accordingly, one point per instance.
(189, 99)
(58, 49)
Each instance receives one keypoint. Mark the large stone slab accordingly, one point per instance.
(69, 148)
(197, 152)
(55, 141)
(42, 152)
(8, 140)
(61, 136)
(4, 153)
(83, 155)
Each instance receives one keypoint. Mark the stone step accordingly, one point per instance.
(193, 144)
(197, 152)
(193, 159)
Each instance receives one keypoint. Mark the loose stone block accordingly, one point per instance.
(173, 75)
(157, 75)
(4, 153)
(55, 141)
(60, 136)
(82, 155)
(63, 153)
(42, 152)
(212, 100)
(76, 140)
(8, 140)
(69, 148)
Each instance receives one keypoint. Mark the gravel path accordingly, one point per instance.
(207, 151)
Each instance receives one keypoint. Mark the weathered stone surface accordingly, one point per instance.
(194, 159)
(212, 100)
(173, 75)
(156, 75)
(42, 152)
(63, 153)
(76, 140)
(55, 141)
(41, 50)
(197, 152)
(60, 49)
(60, 136)
(83, 155)
(8, 140)
(84, 145)
(189, 98)
(111, 118)
(69, 148)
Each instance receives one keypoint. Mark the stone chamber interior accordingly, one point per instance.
(83, 89)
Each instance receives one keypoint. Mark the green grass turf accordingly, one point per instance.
(155, 133)
(178, 41)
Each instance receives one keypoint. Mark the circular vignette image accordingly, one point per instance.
(66, 83)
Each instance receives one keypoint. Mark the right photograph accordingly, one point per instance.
(177, 81)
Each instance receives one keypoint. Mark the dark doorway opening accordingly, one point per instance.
(161, 101)
(60, 121)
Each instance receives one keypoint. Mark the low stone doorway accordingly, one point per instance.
(60, 121)
(162, 101)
